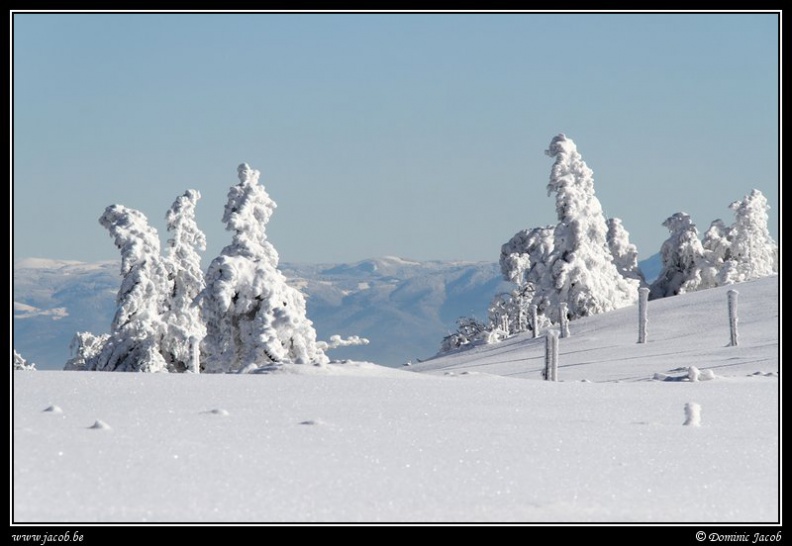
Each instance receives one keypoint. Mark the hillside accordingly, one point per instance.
(692, 329)
(476, 438)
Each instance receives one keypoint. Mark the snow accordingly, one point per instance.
(477, 437)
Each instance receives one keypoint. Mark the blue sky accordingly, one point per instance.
(416, 135)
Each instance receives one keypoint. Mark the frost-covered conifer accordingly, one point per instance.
(20, 364)
(186, 280)
(752, 249)
(252, 316)
(580, 268)
(716, 246)
(85, 347)
(138, 327)
(625, 254)
(681, 255)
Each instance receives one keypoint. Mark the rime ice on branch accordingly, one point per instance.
(252, 316)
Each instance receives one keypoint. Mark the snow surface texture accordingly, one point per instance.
(362, 443)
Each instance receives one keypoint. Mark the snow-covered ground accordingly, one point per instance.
(476, 438)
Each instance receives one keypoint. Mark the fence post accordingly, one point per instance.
(551, 356)
(733, 317)
(195, 352)
(535, 320)
(563, 309)
(643, 304)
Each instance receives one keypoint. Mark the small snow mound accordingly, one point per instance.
(692, 414)
(100, 425)
(585, 380)
(218, 411)
(250, 368)
(692, 375)
(311, 422)
(53, 409)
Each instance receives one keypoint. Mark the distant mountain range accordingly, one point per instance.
(403, 307)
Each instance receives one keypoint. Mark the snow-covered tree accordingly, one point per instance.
(625, 254)
(85, 348)
(681, 255)
(20, 364)
(252, 316)
(468, 330)
(580, 268)
(752, 249)
(716, 247)
(184, 326)
(522, 258)
(138, 326)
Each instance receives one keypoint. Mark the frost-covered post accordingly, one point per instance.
(535, 320)
(551, 356)
(195, 355)
(643, 304)
(692, 415)
(564, 319)
(733, 317)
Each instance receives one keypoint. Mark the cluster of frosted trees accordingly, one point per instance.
(171, 317)
(726, 255)
(585, 264)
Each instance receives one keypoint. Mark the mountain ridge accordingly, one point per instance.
(403, 306)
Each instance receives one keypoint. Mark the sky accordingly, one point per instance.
(413, 135)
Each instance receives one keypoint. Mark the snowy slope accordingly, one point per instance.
(692, 329)
(364, 443)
